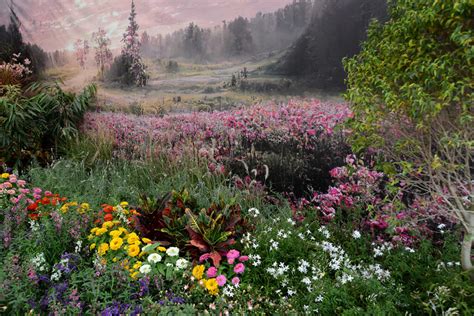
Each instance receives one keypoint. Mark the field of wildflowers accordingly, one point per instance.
(168, 223)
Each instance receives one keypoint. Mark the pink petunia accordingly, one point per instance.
(235, 281)
(233, 254)
(239, 268)
(211, 272)
(243, 258)
(221, 280)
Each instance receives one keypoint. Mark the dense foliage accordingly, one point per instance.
(412, 93)
(318, 52)
(35, 122)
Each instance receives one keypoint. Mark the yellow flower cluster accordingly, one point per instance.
(212, 286)
(198, 271)
(115, 243)
(5, 175)
(81, 208)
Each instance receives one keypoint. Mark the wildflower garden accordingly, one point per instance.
(362, 207)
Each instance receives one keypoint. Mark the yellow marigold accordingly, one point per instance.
(5, 175)
(93, 230)
(133, 250)
(92, 246)
(211, 284)
(115, 233)
(103, 248)
(137, 265)
(135, 274)
(124, 204)
(100, 231)
(107, 225)
(116, 243)
(162, 249)
(123, 230)
(64, 208)
(85, 207)
(133, 239)
(90, 237)
(146, 240)
(115, 259)
(198, 271)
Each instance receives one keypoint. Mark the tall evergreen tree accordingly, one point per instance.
(131, 52)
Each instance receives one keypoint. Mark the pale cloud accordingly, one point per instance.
(55, 24)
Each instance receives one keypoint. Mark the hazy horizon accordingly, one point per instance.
(56, 24)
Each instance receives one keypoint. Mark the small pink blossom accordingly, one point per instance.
(243, 258)
(235, 281)
(221, 280)
(211, 272)
(233, 254)
(239, 268)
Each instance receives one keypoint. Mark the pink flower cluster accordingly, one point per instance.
(216, 134)
(16, 69)
(384, 212)
(227, 270)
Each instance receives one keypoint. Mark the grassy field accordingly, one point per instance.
(194, 87)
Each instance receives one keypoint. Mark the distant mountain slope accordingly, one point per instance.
(336, 31)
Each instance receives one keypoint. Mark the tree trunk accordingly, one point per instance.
(466, 248)
(466, 251)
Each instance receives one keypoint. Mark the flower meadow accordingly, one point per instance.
(187, 214)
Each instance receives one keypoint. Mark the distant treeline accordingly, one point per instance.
(12, 43)
(337, 29)
(263, 33)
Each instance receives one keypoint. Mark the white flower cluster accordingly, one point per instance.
(338, 256)
(445, 265)
(278, 269)
(154, 258)
(121, 214)
(273, 244)
(229, 290)
(255, 260)
(39, 262)
(78, 247)
(381, 249)
(254, 212)
(282, 234)
(324, 231)
(34, 226)
(249, 242)
(340, 261)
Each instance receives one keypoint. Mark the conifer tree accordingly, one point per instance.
(131, 52)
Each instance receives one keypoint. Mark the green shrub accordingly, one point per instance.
(33, 124)
(412, 93)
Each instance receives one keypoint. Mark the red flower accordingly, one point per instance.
(45, 201)
(108, 208)
(108, 217)
(32, 207)
(33, 216)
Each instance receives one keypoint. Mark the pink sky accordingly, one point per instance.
(56, 24)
